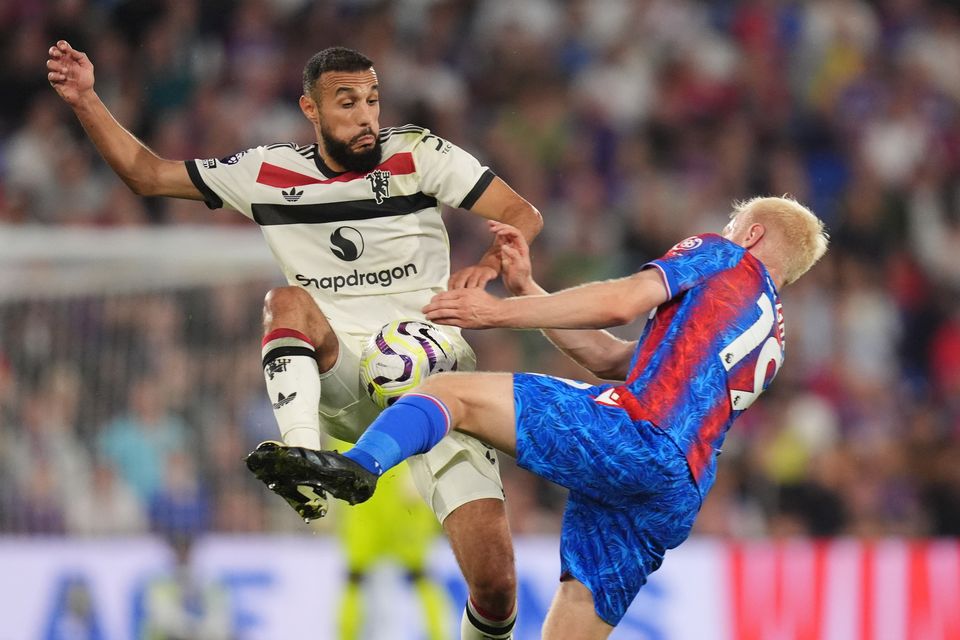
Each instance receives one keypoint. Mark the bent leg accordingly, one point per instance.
(480, 404)
(572, 615)
(298, 345)
(293, 308)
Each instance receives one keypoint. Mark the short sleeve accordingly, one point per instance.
(227, 182)
(448, 173)
(694, 260)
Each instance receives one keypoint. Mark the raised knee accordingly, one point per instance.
(437, 383)
(290, 308)
(444, 387)
(285, 298)
(293, 308)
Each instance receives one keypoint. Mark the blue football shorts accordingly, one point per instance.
(632, 495)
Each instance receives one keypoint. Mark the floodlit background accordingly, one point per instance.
(130, 385)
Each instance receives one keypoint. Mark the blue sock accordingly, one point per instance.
(414, 424)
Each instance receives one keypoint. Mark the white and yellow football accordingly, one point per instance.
(400, 355)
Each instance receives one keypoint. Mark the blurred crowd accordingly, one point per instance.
(630, 124)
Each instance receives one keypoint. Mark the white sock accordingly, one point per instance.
(477, 626)
(293, 386)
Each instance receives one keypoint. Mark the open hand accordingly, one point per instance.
(70, 72)
(473, 277)
(466, 308)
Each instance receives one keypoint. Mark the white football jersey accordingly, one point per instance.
(368, 247)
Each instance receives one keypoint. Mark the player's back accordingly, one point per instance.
(709, 351)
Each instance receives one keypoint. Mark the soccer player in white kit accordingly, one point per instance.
(354, 222)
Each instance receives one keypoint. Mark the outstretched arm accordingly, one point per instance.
(500, 203)
(596, 305)
(70, 72)
(596, 350)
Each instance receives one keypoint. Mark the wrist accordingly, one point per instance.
(86, 101)
(528, 288)
(491, 262)
(501, 313)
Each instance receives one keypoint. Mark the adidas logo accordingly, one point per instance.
(284, 400)
(293, 195)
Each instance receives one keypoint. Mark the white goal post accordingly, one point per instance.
(45, 262)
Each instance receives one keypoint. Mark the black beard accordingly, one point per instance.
(360, 162)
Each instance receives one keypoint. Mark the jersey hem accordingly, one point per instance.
(471, 198)
(663, 275)
(210, 198)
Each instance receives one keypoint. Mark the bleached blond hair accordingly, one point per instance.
(801, 233)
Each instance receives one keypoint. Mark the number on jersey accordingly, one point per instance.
(760, 332)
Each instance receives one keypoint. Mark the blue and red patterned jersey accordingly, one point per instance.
(708, 352)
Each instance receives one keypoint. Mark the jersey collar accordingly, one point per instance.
(322, 166)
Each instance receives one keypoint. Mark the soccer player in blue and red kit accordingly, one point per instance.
(637, 456)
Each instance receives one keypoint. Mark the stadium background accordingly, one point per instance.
(129, 385)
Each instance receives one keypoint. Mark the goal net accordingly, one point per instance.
(130, 386)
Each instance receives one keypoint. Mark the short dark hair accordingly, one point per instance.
(333, 59)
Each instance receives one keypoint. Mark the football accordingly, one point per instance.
(400, 355)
